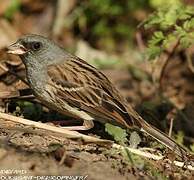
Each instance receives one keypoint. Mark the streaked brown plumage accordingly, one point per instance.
(91, 91)
(71, 86)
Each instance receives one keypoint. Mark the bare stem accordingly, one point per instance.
(169, 56)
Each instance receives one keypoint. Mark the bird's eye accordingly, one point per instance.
(36, 45)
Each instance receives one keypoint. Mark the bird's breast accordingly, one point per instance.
(37, 79)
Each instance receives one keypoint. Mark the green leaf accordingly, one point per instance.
(192, 147)
(153, 19)
(118, 133)
(179, 137)
(101, 28)
(189, 10)
(189, 24)
(138, 73)
(30, 110)
(152, 52)
(14, 7)
(160, 3)
(134, 139)
(156, 38)
(105, 63)
(167, 42)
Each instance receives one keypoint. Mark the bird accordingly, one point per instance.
(71, 86)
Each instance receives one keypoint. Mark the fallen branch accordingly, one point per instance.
(52, 129)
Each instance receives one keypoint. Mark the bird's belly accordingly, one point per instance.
(49, 98)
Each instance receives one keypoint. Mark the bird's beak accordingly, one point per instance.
(16, 48)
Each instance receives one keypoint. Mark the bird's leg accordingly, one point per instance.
(88, 124)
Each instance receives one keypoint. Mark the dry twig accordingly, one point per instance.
(168, 57)
(51, 129)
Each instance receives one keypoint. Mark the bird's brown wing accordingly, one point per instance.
(86, 88)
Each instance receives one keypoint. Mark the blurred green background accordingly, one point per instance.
(109, 24)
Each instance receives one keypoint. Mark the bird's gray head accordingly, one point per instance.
(36, 49)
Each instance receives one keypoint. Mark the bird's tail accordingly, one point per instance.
(163, 138)
(132, 119)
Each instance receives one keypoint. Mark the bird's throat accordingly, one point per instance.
(36, 75)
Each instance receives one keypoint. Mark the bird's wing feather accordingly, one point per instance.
(91, 91)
